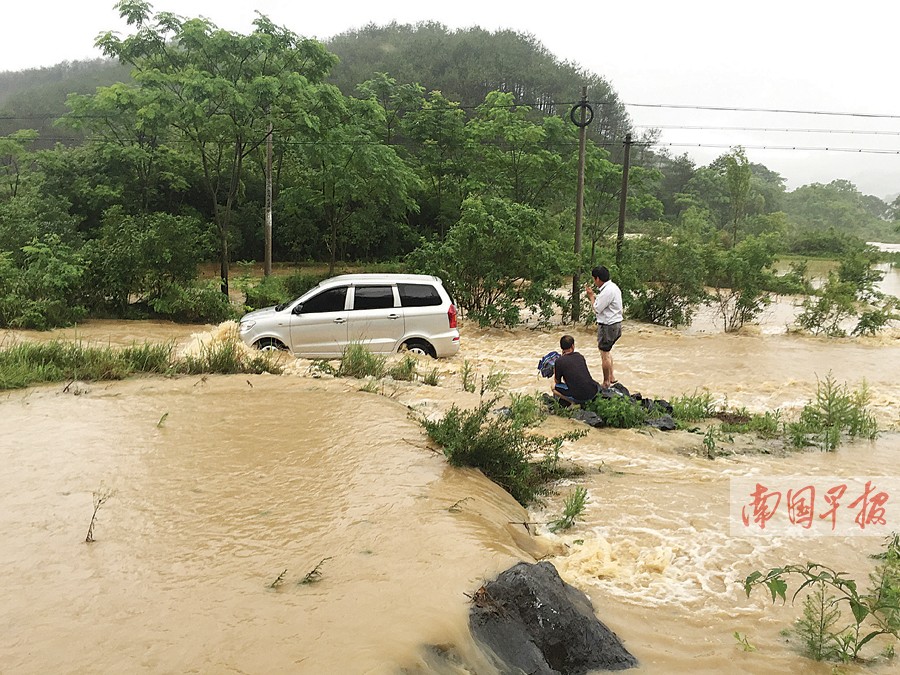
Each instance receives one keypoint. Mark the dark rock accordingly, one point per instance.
(665, 406)
(588, 417)
(620, 388)
(664, 423)
(530, 621)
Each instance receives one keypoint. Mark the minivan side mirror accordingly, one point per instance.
(298, 309)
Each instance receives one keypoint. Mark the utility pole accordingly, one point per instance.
(267, 266)
(579, 200)
(622, 200)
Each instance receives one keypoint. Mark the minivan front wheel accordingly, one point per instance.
(270, 345)
(420, 347)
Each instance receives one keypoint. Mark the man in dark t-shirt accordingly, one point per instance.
(574, 383)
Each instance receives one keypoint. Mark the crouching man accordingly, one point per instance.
(574, 384)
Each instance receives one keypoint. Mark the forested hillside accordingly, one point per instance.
(448, 152)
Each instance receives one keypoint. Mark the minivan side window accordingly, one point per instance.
(331, 300)
(418, 295)
(373, 297)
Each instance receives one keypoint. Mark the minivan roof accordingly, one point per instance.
(381, 278)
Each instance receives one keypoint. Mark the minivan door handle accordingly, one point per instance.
(393, 316)
(339, 320)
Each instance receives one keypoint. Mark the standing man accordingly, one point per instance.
(574, 383)
(607, 304)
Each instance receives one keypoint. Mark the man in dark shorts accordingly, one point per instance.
(574, 383)
(608, 308)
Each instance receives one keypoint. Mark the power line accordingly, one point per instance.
(770, 129)
(764, 110)
(862, 151)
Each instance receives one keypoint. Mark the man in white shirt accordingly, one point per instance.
(607, 304)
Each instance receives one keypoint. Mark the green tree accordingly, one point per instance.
(437, 132)
(348, 180)
(516, 158)
(15, 161)
(500, 258)
(739, 277)
(219, 90)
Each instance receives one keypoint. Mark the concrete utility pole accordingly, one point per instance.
(579, 201)
(267, 267)
(622, 200)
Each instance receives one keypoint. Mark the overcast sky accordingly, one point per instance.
(822, 56)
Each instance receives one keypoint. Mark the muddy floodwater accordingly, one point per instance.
(226, 492)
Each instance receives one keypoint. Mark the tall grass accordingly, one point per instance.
(227, 357)
(28, 363)
(359, 362)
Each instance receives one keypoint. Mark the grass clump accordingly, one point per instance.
(405, 370)
(523, 464)
(227, 357)
(693, 408)
(432, 379)
(29, 363)
(574, 507)
(467, 376)
(621, 412)
(359, 362)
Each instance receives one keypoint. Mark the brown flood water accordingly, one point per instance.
(222, 483)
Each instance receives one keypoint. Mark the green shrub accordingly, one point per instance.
(501, 258)
(526, 410)
(872, 613)
(621, 412)
(264, 292)
(198, 303)
(499, 448)
(834, 412)
(45, 291)
(574, 507)
(298, 283)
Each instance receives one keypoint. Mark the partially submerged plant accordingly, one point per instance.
(575, 505)
(359, 362)
(467, 375)
(278, 580)
(404, 370)
(315, 574)
(101, 496)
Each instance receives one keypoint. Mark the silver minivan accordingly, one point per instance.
(384, 312)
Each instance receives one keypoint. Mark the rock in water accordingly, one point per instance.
(531, 621)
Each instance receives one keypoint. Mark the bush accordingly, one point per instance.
(499, 260)
(297, 284)
(499, 448)
(621, 412)
(44, 292)
(739, 278)
(198, 303)
(141, 257)
(265, 292)
(667, 284)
